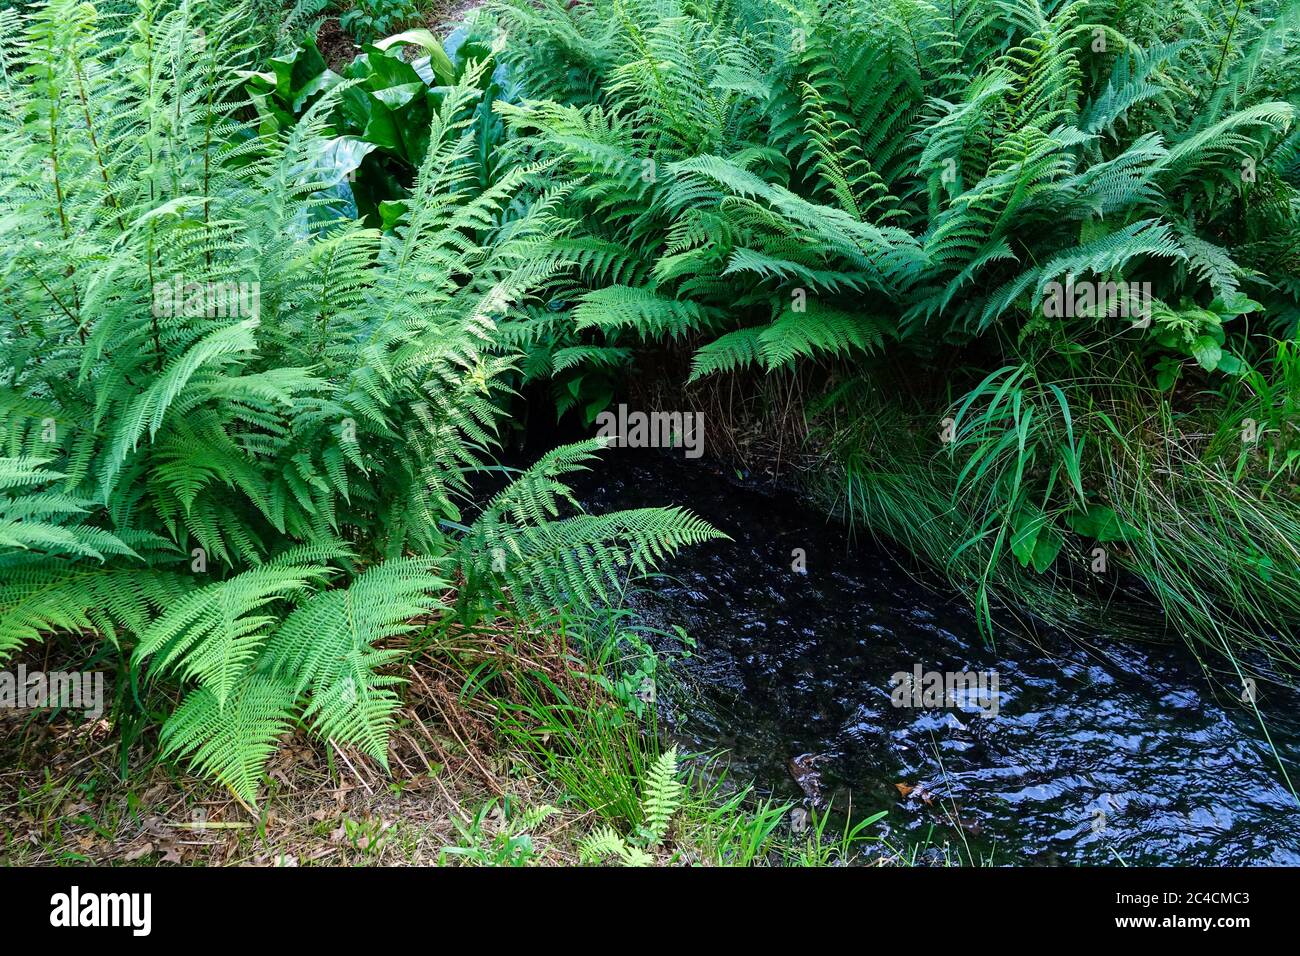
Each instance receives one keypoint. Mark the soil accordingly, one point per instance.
(336, 46)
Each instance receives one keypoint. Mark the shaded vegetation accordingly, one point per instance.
(1028, 269)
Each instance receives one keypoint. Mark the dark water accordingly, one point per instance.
(1096, 754)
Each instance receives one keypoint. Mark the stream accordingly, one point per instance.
(1100, 754)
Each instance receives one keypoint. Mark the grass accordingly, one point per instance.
(1201, 538)
(529, 734)
(511, 750)
(1110, 469)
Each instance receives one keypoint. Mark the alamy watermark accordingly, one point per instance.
(38, 690)
(964, 690)
(1068, 300)
(176, 298)
(75, 909)
(637, 429)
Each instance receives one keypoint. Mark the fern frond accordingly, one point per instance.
(330, 645)
(231, 740)
(661, 796)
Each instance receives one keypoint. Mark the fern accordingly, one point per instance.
(605, 842)
(916, 178)
(661, 798)
(232, 742)
(210, 382)
(523, 544)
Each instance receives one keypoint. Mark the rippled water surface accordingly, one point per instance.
(1115, 752)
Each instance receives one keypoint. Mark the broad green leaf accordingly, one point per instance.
(1101, 523)
(1207, 352)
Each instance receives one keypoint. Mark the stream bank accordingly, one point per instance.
(1097, 752)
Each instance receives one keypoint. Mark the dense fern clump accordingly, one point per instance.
(235, 431)
(1057, 217)
(237, 428)
(798, 180)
